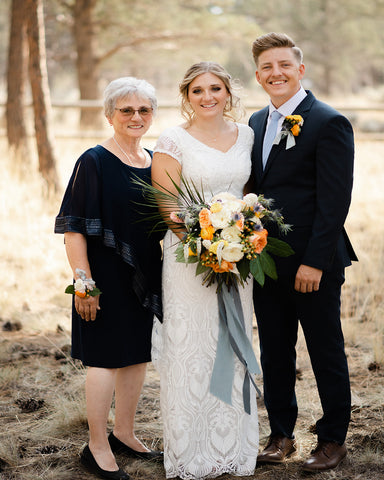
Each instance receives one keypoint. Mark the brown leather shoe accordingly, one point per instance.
(327, 455)
(277, 450)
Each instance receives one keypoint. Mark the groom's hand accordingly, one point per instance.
(308, 279)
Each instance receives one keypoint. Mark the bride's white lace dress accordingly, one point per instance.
(203, 436)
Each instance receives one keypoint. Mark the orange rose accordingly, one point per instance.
(295, 130)
(240, 223)
(259, 240)
(204, 218)
(224, 267)
(207, 233)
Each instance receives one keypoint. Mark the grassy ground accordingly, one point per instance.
(42, 410)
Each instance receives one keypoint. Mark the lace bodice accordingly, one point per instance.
(208, 167)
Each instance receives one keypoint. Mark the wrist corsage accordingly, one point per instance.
(83, 287)
(291, 128)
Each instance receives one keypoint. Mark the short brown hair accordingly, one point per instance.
(275, 40)
(216, 69)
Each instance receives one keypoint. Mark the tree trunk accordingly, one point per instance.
(16, 77)
(87, 62)
(40, 94)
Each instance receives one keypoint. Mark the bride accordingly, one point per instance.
(204, 437)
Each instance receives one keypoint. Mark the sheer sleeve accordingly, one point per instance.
(168, 143)
(80, 210)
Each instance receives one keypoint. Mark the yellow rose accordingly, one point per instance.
(216, 207)
(213, 248)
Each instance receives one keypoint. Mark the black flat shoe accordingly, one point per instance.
(119, 447)
(89, 462)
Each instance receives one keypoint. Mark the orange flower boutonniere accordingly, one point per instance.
(291, 128)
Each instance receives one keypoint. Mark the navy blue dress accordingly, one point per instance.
(102, 203)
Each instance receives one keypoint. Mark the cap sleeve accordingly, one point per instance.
(168, 143)
(247, 134)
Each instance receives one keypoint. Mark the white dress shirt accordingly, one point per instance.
(287, 108)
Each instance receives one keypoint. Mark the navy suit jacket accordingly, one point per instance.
(311, 184)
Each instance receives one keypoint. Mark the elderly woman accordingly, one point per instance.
(111, 248)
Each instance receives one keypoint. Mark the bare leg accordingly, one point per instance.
(129, 383)
(99, 387)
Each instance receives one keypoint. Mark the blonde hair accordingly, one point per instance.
(233, 108)
(275, 40)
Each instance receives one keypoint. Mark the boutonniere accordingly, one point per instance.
(291, 128)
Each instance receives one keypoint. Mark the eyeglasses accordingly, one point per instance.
(129, 111)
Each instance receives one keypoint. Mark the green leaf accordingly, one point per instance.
(70, 289)
(180, 255)
(201, 269)
(243, 268)
(268, 265)
(95, 292)
(257, 271)
(279, 247)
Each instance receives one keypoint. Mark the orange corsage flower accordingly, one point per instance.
(204, 218)
(80, 294)
(259, 240)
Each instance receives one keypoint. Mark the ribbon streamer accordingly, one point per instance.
(232, 340)
(290, 139)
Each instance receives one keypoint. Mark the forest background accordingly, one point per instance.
(72, 49)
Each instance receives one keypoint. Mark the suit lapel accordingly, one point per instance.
(302, 109)
(259, 136)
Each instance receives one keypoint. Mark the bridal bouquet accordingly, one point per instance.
(228, 239)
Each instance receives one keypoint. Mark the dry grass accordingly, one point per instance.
(43, 421)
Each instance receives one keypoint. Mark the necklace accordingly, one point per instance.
(128, 157)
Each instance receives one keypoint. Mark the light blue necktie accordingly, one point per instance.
(270, 135)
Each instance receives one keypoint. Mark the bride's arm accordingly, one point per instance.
(165, 168)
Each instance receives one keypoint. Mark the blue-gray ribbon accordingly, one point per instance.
(232, 340)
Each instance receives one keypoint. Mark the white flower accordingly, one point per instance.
(90, 284)
(251, 199)
(256, 221)
(234, 206)
(221, 219)
(231, 234)
(207, 244)
(232, 252)
(223, 197)
(79, 286)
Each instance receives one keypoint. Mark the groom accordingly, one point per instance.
(309, 174)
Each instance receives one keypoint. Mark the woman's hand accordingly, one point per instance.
(87, 307)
